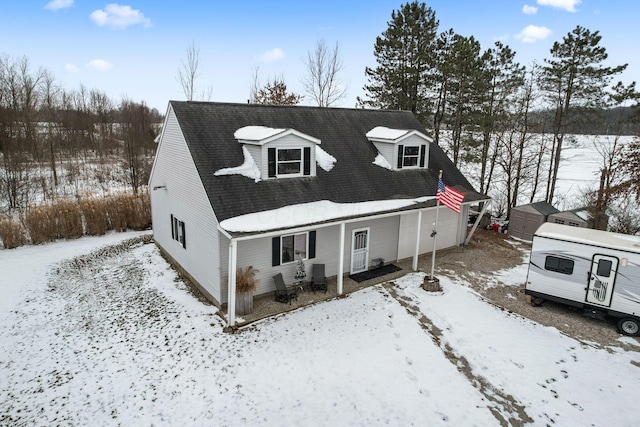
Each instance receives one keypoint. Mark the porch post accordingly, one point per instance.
(417, 252)
(231, 297)
(340, 260)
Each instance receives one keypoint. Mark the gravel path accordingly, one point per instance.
(490, 252)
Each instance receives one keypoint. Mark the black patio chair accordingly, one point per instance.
(284, 294)
(318, 278)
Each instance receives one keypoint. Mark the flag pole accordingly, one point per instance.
(434, 233)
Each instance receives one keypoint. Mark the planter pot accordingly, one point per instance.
(244, 303)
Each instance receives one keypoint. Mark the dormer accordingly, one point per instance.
(402, 148)
(280, 153)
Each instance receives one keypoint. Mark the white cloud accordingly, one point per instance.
(118, 16)
(529, 10)
(568, 5)
(272, 55)
(100, 65)
(58, 4)
(70, 68)
(533, 33)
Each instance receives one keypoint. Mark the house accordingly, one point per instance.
(524, 220)
(580, 217)
(234, 185)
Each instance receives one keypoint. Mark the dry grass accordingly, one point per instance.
(40, 223)
(96, 220)
(69, 219)
(128, 211)
(11, 233)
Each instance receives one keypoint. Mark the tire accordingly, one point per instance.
(629, 326)
(537, 302)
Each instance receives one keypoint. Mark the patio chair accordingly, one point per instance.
(318, 278)
(284, 294)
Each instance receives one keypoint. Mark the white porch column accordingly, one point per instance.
(417, 252)
(231, 297)
(340, 260)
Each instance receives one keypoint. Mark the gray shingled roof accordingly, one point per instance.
(209, 127)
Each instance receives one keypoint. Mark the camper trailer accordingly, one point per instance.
(591, 269)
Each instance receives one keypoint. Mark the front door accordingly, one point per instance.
(359, 250)
(602, 277)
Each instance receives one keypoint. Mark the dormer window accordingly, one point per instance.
(411, 156)
(289, 161)
(280, 153)
(401, 148)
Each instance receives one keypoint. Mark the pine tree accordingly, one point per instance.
(405, 53)
(574, 77)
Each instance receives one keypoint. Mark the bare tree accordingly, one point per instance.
(255, 86)
(189, 71)
(321, 82)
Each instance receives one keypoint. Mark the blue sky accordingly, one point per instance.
(134, 48)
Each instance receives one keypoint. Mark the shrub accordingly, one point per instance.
(128, 211)
(11, 233)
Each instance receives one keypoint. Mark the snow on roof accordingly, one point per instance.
(382, 162)
(256, 133)
(382, 132)
(325, 160)
(311, 213)
(248, 168)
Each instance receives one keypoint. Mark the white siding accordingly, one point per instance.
(256, 153)
(387, 151)
(448, 231)
(185, 198)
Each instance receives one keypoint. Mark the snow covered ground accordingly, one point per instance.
(100, 331)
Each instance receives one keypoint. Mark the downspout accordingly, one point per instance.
(417, 252)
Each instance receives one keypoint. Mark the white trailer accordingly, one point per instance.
(591, 269)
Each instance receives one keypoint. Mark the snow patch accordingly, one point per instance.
(248, 168)
(382, 132)
(382, 162)
(256, 133)
(313, 212)
(325, 160)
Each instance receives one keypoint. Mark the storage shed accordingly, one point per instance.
(525, 220)
(574, 218)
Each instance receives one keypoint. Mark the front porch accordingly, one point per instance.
(265, 306)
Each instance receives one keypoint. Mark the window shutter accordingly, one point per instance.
(307, 161)
(271, 153)
(423, 149)
(400, 152)
(184, 236)
(275, 251)
(312, 244)
(173, 230)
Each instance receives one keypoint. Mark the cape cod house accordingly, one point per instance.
(234, 185)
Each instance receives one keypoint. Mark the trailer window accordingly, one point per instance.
(604, 268)
(560, 265)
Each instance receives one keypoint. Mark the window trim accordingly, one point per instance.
(420, 157)
(300, 162)
(405, 156)
(295, 259)
(178, 231)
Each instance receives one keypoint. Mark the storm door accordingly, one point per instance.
(359, 250)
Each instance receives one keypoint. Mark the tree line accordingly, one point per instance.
(50, 135)
(487, 109)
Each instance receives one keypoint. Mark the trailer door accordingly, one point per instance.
(602, 277)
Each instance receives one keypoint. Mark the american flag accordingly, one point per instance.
(449, 197)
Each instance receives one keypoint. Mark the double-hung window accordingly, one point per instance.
(289, 161)
(410, 156)
(178, 231)
(293, 246)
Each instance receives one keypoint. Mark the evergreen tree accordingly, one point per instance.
(275, 93)
(574, 77)
(405, 53)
